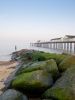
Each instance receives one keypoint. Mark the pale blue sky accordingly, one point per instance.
(30, 20)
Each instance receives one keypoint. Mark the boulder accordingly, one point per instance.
(7, 82)
(41, 56)
(12, 95)
(59, 58)
(17, 54)
(50, 66)
(64, 88)
(67, 63)
(34, 82)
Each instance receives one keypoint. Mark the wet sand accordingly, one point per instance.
(6, 68)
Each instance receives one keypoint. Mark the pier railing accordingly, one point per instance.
(64, 46)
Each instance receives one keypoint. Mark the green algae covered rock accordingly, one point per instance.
(50, 66)
(12, 95)
(32, 56)
(42, 56)
(64, 88)
(67, 63)
(59, 58)
(32, 82)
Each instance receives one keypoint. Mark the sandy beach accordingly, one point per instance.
(6, 68)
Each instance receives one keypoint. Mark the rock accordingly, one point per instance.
(50, 66)
(26, 57)
(66, 63)
(22, 68)
(59, 58)
(41, 56)
(64, 88)
(12, 95)
(34, 82)
(7, 82)
(16, 55)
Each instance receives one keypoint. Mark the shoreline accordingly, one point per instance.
(6, 68)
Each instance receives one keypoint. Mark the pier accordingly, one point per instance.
(64, 44)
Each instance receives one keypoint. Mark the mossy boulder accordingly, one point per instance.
(34, 82)
(50, 66)
(12, 95)
(16, 55)
(9, 79)
(42, 56)
(59, 58)
(64, 88)
(67, 63)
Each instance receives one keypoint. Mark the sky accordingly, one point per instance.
(31, 20)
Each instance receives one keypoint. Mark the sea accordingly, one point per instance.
(6, 50)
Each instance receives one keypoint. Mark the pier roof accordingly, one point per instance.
(56, 38)
(70, 36)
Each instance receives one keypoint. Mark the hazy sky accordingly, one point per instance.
(31, 20)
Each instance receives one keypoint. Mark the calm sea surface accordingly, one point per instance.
(6, 51)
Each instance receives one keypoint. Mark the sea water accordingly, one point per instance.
(6, 50)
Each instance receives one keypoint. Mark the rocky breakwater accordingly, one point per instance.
(42, 76)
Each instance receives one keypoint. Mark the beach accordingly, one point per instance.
(6, 68)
